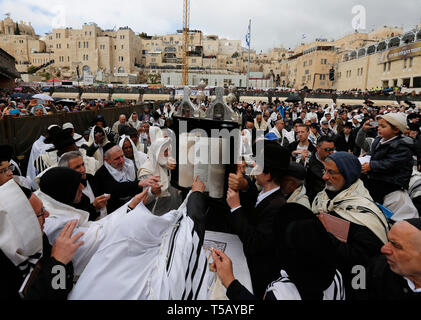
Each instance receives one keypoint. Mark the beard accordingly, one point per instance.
(331, 188)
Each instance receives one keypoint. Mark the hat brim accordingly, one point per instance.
(66, 142)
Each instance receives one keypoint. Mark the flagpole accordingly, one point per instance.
(248, 68)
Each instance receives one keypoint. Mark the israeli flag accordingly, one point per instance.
(248, 36)
(304, 36)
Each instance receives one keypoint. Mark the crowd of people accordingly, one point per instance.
(340, 188)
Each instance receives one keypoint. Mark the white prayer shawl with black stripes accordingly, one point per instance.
(148, 257)
(284, 289)
(20, 232)
(355, 205)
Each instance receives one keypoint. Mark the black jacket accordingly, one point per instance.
(85, 203)
(384, 284)
(12, 278)
(314, 182)
(254, 226)
(342, 145)
(293, 146)
(362, 245)
(120, 192)
(392, 161)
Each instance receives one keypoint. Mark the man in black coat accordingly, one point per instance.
(253, 215)
(397, 274)
(113, 179)
(41, 272)
(315, 169)
(345, 140)
(92, 200)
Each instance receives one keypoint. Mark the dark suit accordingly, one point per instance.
(85, 202)
(254, 226)
(121, 192)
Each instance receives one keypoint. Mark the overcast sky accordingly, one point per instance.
(274, 22)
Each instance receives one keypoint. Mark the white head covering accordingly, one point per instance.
(139, 157)
(20, 232)
(156, 164)
(155, 133)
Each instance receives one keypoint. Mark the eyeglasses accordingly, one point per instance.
(5, 170)
(329, 149)
(330, 172)
(42, 214)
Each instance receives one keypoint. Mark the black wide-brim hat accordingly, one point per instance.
(63, 139)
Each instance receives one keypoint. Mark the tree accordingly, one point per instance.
(31, 69)
(17, 31)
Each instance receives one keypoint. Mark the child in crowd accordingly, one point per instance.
(391, 162)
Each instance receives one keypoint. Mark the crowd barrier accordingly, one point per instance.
(22, 132)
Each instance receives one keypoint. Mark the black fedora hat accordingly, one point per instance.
(62, 139)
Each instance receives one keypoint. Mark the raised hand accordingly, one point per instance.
(66, 245)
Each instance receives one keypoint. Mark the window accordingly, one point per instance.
(384, 67)
(405, 63)
(79, 45)
(310, 62)
(411, 60)
(388, 67)
(122, 47)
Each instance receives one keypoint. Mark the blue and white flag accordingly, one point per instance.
(304, 36)
(248, 35)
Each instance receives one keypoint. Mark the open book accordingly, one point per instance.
(206, 158)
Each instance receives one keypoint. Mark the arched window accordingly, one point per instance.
(361, 53)
(121, 70)
(381, 46)
(371, 49)
(395, 42)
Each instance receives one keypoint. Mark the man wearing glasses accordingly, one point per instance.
(314, 181)
(6, 169)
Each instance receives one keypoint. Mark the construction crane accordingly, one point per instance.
(186, 38)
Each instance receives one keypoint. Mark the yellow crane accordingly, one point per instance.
(186, 38)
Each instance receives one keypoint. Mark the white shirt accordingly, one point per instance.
(262, 195)
(411, 285)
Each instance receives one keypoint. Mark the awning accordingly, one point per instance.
(65, 95)
(89, 95)
(156, 97)
(126, 96)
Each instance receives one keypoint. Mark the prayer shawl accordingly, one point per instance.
(79, 143)
(155, 133)
(284, 289)
(38, 148)
(99, 154)
(152, 166)
(135, 124)
(299, 196)
(20, 232)
(94, 232)
(285, 135)
(262, 126)
(124, 175)
(355, 205)
(148, 258)
(51, 160)
(139, 157)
